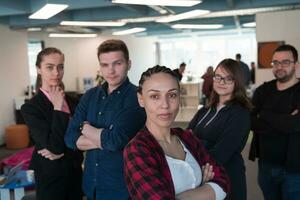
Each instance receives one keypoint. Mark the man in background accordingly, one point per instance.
(245, 69)
(179, 71)
(252, 71)
(207, 85)
(276, 127)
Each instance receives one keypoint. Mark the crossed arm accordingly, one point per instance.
(90, 138)
(270, 120)
(47, 134)
(146, 178)
(112, 136)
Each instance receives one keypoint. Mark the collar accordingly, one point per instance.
(45, 93)
(119, 89)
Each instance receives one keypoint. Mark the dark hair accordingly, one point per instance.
(238, 56)
(287, 47)
(155, 70)
(182, 65)
(45, 52)
(113, 45)
(239, 93)
(38, 82)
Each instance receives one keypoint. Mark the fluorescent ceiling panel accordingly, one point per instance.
(72, 35)
(249, 25)
(183, 3)
(49, 10)
(186, 15)
(129, 31)
(91, 23)
(140, 19)
(197, 26)
(159, 9)
(34, 29)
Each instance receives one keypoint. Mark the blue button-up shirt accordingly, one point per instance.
(121, 117)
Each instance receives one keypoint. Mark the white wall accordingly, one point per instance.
(277, 26)
(81, 56)
(14, 73)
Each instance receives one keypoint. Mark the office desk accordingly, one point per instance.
(17, 186)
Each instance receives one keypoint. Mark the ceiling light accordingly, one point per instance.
(72, 35)
(249, 25)
(49, 10)
(129, 31)
(183, 3)
(140, 19)
(34, 29)
(248, 11)
(92, 23)
(159, 9)
(216, 14)
(197, 26)
(186, 15)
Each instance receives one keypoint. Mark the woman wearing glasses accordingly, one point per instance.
(224, 124)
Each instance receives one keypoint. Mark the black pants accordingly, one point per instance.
(59, 186)
(237, 178)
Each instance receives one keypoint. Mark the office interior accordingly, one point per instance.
(159, 43)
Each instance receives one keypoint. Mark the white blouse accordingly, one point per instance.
(186, 174)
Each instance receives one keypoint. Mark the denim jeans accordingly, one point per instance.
(277, 183)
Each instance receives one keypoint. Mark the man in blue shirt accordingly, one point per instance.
(105, 120)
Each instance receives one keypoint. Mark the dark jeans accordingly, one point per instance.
(277, 183)
(107, 195)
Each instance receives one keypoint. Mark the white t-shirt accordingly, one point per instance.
(186, 174)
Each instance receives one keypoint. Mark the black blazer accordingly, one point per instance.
(47, 129)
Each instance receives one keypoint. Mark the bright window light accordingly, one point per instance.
(197, 26)
(72, 35)
(186, 15)
(183, 3)
(34, 29)
(249, 25)
(129, 31)
(91, 23)
(49, 10)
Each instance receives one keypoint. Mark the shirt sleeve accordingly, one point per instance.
(124, 127)
(258, 125)
(78, 118)
(219, 192)
(143, 174)
(46, 134)
(285, 123)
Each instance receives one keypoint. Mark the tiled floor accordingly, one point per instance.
(253, 190)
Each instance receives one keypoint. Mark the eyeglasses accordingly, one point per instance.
(227, 80)
(284, 63)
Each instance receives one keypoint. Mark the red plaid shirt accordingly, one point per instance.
(147, 172)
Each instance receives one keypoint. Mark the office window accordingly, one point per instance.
(34, 47)
(200, 52)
